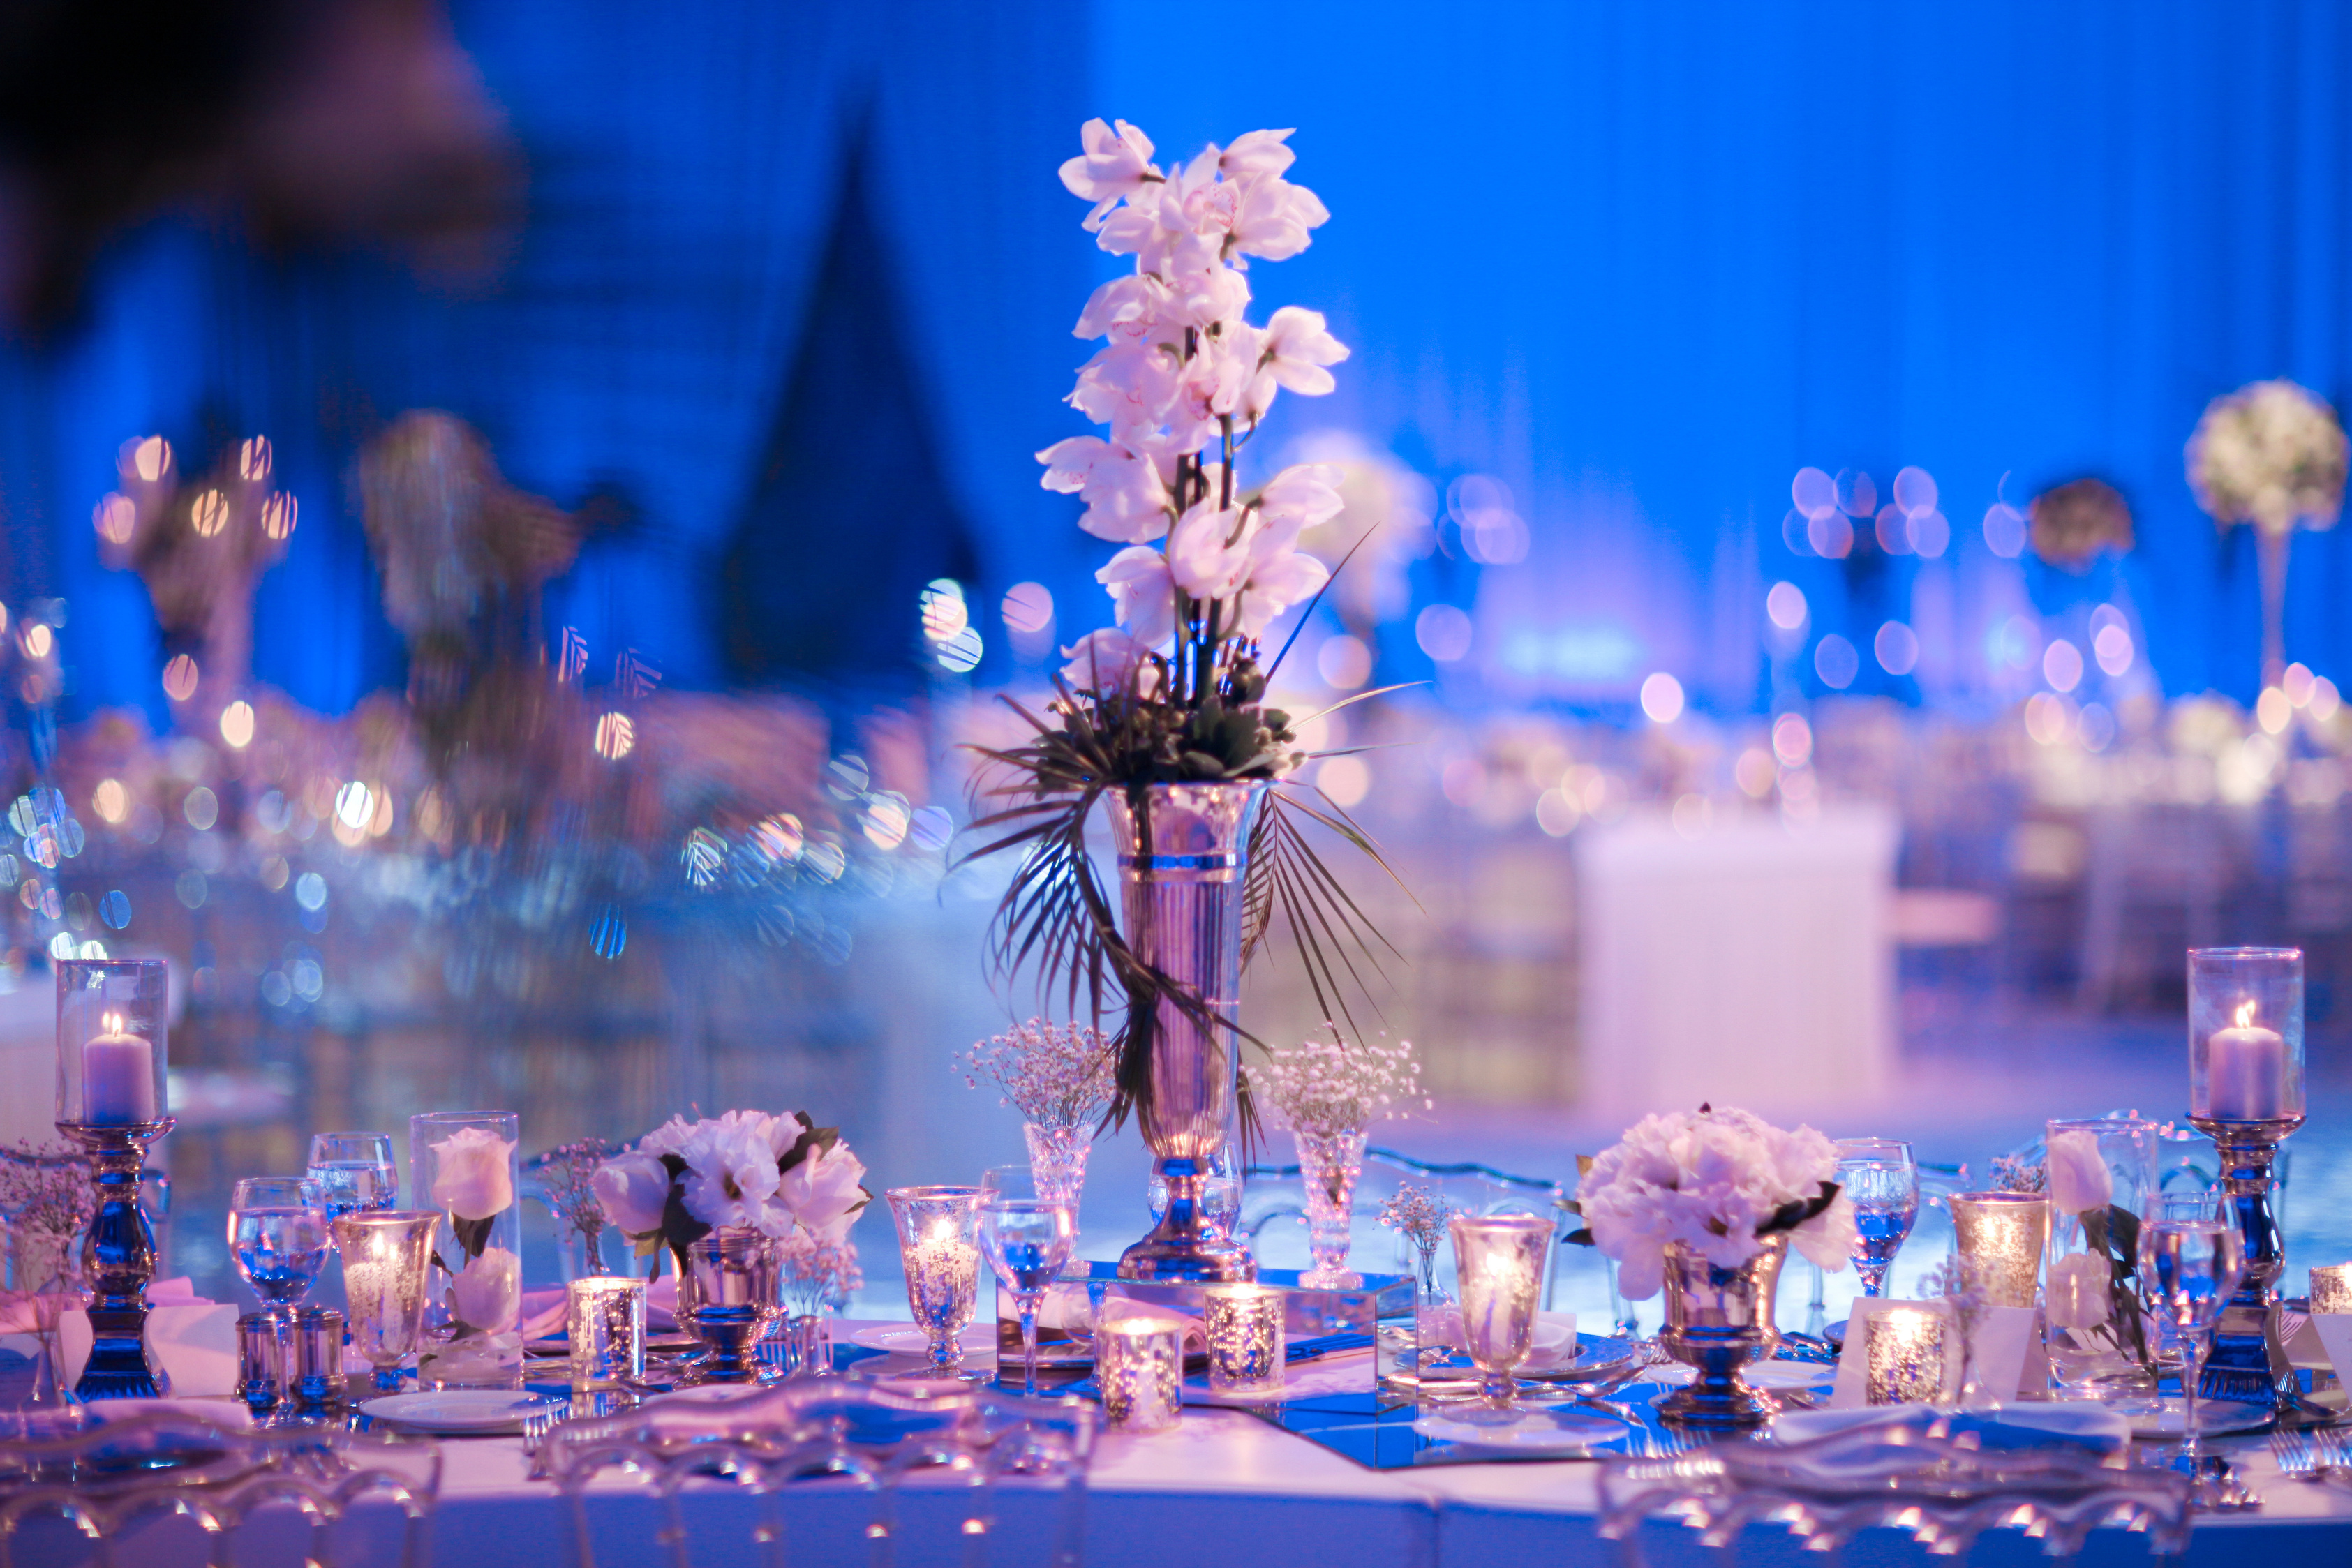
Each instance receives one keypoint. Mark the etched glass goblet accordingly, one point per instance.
(942, 1256)
(1882, 1179)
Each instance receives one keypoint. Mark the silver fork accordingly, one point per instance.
(2292, 1450)
(536, 1425)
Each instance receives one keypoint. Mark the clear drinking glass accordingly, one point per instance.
(1026, 1241)
(2188, 1271)
(942, 1261)
(354, 1171)
(278, 1234)
(1882, 1179)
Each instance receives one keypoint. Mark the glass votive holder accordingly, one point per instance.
(387, 1256)
(1140, 1368)
(2001, 1236)
(318, 1377)
(939, 1244)
(112, 1044)
(261, 1362)
(1243, 1326)
(1498, 1261)
(1906, 1357)
(2245, 1036)
(605, 1318)
(2331, 1288)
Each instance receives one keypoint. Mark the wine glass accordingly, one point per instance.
(2189, 1269)
(1026, 1241)
(354, 1172)
(278, 1234)
(1882, 1179)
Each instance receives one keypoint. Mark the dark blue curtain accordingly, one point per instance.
(1638, 262)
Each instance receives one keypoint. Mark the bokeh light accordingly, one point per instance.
(616, 736)
(149, 459)
(1894, 530)
(2273, 711)
(110, 800)
(253, 460)
(1785, 603)
(2062, 665)
(1897, 648)
(1831, 535)
(1028, 609)
(236, 725)
(180, 677)
(959, 655)
(1344, 662)
(1442, 632)
(2111, 646)
(1346, 780)
(278, 516)
(1792, 740)
(209, 514)
(1930, 533)
(1857, 494)
(1835, 661)
(202, 809)
(1814, 493)
(2048, 719)
(2004, 530)
(1661, 698)
(116, 519)
(354, 805)
(943, 610)
(1557, 812)
(1914, 491)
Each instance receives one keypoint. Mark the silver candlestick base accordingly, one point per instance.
(118, 1256)
(2249, 1362)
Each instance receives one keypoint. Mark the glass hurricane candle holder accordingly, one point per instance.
(2001, 1236)
(604, 1318)
(112, 1099)
(1247, 1345)
(387, 1277)
(1905, 1363)
(2331, 1288)
(463, 1162)
(2101, 1172)
(938, 1243)
(2246, 1094)
(1140, 1367)
(1498, 1260)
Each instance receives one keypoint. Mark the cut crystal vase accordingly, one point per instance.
(1328, 1164)
(1183, 851)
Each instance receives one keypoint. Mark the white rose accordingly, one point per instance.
(2076, 1294)
(488, 1293)
(2079, 1178)
(473, 1174)
(632, 1190)
(823, 1189)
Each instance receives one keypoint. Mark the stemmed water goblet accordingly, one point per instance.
(278, 1234)
(354, 1172)
(2189, 1269)
(942, 1262)
(1883, 1181)
(1026, 1241)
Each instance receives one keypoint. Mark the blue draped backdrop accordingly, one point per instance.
(1640, 263)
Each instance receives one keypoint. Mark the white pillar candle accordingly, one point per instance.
(2245, 1071)
(117, 1079)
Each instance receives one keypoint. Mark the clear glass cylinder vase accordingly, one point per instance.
(465, 1164)
(1328, 1164)
(2100, 1173)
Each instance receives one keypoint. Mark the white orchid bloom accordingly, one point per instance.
(1214, 298)
(1280, 575)
(1294, 349)
(1116, 163)
(1126, 501)
(1255, 153)
(1102, 660)
(1305, 493)
(1126, 308)
(1142, 593)
(1208, 552)
(1272, 219)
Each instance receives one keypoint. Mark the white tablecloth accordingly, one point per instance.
(1747, 963)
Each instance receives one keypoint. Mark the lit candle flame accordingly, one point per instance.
(112, 1023)
(2246, 1014)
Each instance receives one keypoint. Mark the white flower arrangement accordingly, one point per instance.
(1719, 1182)
(2270, 453)
(1182, 382)
(1323, 1088)
(1058, 1075)
(777, 1175)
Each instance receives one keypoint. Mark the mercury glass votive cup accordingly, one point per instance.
(938, 1243)
(1245, 1330)
(1140, 1367)
(604, 1318)
(1498, 1261)
(2000, 1238)
(1906, 1363)
(387, 1274)
(2331, 1287)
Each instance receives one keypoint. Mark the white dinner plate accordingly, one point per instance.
(906, 1338)
(1767, 1375)
(1535, 1429)
(454, 1411)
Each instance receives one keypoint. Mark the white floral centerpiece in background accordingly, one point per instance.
(2273, 454)
(1720, 1184)
(1326, 1094)
(780, 1176)
(1059, 1076)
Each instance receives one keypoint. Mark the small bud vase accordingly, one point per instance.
(1717, 1321)
(1329, 1162)
(1057, 1161)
